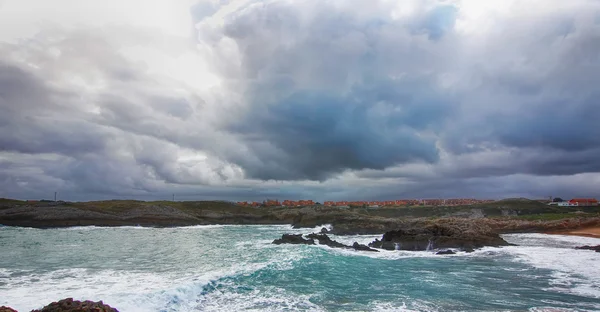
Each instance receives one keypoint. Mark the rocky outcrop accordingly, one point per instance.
(70, 305)
(446, 252)
(362, 247)
(7, 309)
(293, 239)
(323, 239)
(439, 236)
(596, 248)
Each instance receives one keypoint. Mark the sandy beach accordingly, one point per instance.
(587, 232)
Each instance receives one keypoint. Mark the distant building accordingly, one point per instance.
(584, 202)
(564, 204)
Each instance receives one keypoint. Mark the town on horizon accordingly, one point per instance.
(554, 201)
(410, 202)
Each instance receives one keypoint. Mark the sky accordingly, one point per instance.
(311, 99)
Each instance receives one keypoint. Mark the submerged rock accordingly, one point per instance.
(293, 239)
(596, 248)
(70, 305)
(446, 252)
(436, 236)
(467, 249)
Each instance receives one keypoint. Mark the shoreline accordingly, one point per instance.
(593, 232)
(502, 217)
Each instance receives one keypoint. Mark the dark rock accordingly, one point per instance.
(432, 236)
(7, 309)
(324, 231)
(467, 249)
(361, 247)
(363, 226)
(445, 252)
(325, 240)
(596, 248)
(70, 305)
(293, 239)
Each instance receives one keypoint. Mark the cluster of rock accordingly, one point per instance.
(70, 305)
(439, 236)
(442, 237)
(322, 239)
(595, 248)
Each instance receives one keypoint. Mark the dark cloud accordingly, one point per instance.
(29, 124)
(313, 136)
(323, 96)
(314, 99)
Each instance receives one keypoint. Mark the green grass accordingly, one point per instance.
(554, 216)
(8, 203)
(191, 207)
(523, 209)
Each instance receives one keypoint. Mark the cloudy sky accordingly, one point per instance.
(319, 99)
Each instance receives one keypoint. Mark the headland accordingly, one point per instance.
(502, 216)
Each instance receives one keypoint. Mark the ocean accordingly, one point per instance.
(236, 268)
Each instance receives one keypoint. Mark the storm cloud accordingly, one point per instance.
(300, 99)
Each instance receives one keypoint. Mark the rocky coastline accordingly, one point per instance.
(420, 224)
(501, 217)
(441, 230)
(446, 234)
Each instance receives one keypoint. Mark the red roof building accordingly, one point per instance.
(584, 201)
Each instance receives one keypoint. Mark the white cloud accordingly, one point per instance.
(157, 96)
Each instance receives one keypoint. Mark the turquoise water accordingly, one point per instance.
(232, 268)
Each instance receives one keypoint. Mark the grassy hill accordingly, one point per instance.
(164, 213)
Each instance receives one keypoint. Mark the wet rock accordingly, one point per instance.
(361, 247)
(325, 240)
(70, 305)
(596, 248)
(433, 236)
(445, 252)
(7, 309)
(293, 239)
(324, 231)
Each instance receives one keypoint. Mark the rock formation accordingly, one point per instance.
(323, 240)
(362, 247)
(70, 305)
(596, 248)
(293, 239)
(7, 309)
(434, 236)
